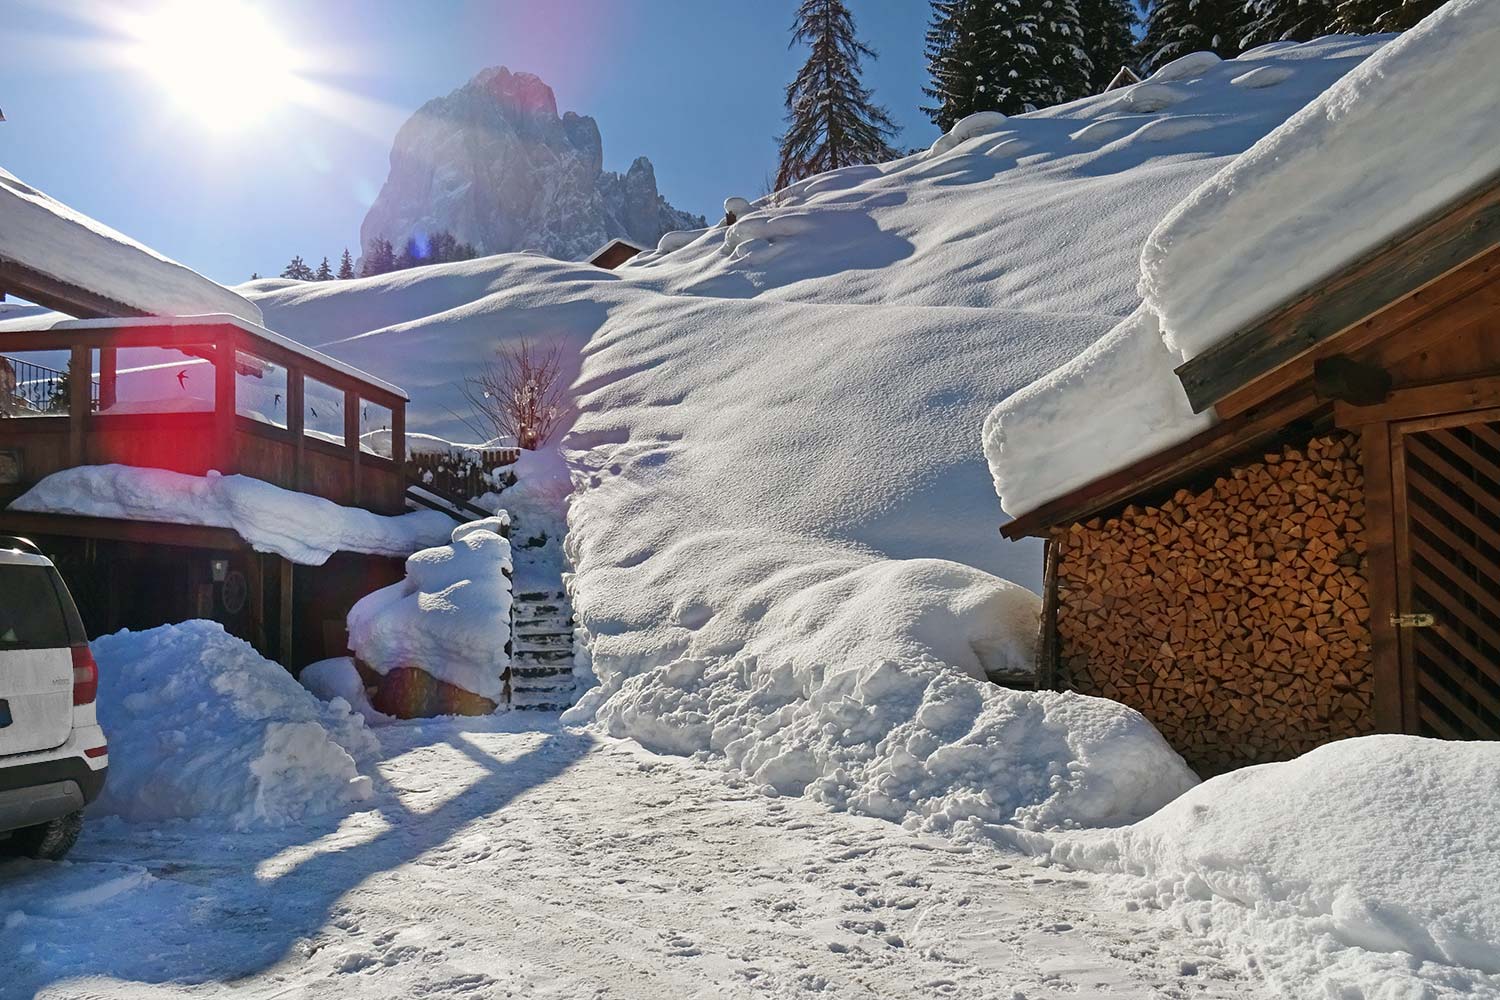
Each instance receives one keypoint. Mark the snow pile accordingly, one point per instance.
(337, 679)
(303, 528)
(201, 726)
(779, 485)
(451, 615)
(1418, 118)
(1419, 121)
(47, 236)
(1365, 868)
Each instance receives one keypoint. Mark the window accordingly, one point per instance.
(322, 411)
(37, 384)
(157, 380)
(374, 428)
(259, 389)
(33, 611)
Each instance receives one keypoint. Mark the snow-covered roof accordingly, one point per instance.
(43, 235)
(1397, 139)
(51, 321)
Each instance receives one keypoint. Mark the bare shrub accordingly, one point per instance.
(519, 394)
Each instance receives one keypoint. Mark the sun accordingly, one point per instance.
(221, 61)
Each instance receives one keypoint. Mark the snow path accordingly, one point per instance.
(500, 862)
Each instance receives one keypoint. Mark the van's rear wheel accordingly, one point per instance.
(47, 841)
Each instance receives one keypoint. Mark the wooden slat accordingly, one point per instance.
(1437, 725)
(1414, 260)
(1451, 507)
(1432, 649)
(1438, 580)
(1461, 449)
(1448, 537)
(1489, 534)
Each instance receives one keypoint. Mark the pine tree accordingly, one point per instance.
(324, 272)
(1288, 21)
(346, 266)
(254, 275)
(298, 269)
(1014, 55)
(1364, 17)
(1177, 27)
(831, 121)
(957, 86)
(380, 257)
(413, 254)
(1108, 38)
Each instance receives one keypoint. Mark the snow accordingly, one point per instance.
(298, 526)
(504, 856)
(450, 616)
(41, 233)
(337, 680)
(1365, 868)
(203, 727)
(1417, 117)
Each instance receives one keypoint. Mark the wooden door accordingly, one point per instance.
(1445, 478)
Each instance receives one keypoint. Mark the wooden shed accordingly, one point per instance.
(1325, 560)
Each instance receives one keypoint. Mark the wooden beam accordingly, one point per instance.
(1385, 654)
(54, 293)
(1423, 401)
(1467, 295)
(1048, 648)
(351, 438)
(1243, 432)
(224, 405)
(79, 379)
(295, 412)
(113, 529)
(398, 436)
(1359, 383)
(1412, 261)
(284, 633)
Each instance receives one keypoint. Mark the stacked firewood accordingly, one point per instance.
(1237, 618)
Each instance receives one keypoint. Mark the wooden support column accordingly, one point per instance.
(1048, 648)
(79, 378)
(256, 583)
(285, 636)
(109, 376)
(351, 438)
(224, 407)
(296, 411)
(398, 435)
(1385, 646)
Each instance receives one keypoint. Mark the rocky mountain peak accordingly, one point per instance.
(494, 164)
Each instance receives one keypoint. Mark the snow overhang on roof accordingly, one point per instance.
(53, 323)
(51, 251)
(613, 244)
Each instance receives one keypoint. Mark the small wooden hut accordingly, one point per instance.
(1325, 560)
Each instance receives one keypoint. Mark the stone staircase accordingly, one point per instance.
(541, 662)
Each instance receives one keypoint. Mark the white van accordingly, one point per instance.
(53, 755)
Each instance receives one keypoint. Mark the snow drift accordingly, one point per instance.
(201, 726)
(303, 528)
(1365, 868)
(451, 615)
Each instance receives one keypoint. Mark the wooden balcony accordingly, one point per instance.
(247, 401)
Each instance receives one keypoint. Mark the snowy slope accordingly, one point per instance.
(784, 537)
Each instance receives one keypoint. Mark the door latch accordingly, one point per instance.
(1422, 620)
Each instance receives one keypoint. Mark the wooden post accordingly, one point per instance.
(109, 376)
(224, 407)
(398, 435)
(255, 581)
(285, 637)
(351, 438)
(1380, 524)
(1047, 672)
(79, 377)
(295, 412)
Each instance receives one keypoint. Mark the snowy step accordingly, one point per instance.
(540, 642)
(558, 670)
(541, 595)
(543, 626)
(530, 612)
(541, 657)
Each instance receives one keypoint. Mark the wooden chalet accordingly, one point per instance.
(614, 253)
(1325, 561)
(213, 392)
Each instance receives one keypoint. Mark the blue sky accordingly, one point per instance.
(696, 85)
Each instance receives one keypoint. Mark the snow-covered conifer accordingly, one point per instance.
(346, 266)
(1108, 38)
(831, 120)
(1288, 20)
(1177, 27)
(1008, 55)
(298, 269)
(324, 271)
(957, 85)
(1363, 17)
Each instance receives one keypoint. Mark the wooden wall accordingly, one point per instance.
(1235, 619)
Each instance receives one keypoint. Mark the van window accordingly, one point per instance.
(35, 609)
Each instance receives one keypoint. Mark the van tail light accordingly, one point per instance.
(85, 676)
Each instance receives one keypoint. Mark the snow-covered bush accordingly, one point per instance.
(201, 726)
(1365, 868)
(449, 618)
